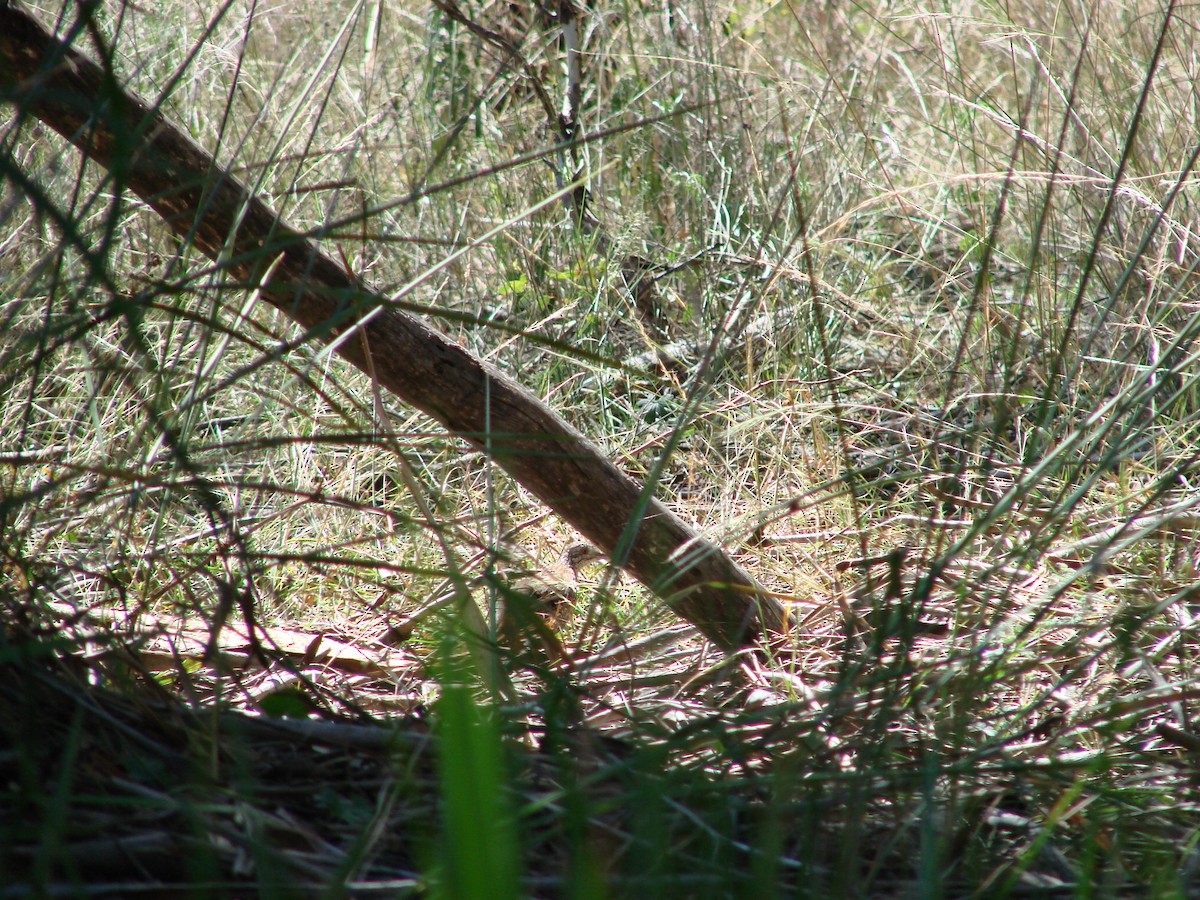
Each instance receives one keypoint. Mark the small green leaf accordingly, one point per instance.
(288, 703)
(516, 286)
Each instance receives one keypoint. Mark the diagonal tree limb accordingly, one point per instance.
(206, 205)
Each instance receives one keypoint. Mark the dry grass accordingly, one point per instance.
(957, 433)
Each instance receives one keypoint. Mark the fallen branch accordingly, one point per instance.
(202, 202)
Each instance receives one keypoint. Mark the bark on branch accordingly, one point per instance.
(209, 207)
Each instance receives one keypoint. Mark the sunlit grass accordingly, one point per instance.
(945, 261)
